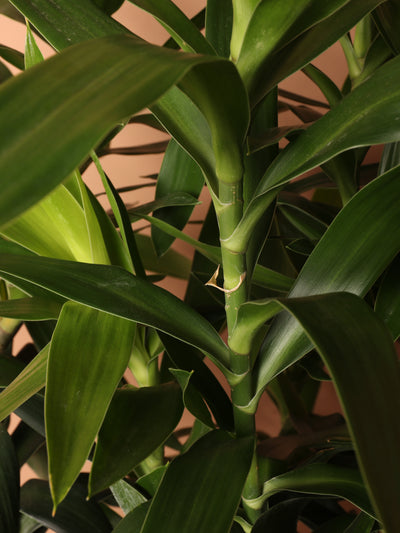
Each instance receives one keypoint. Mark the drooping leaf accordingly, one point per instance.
(299, 51)
(116, 291)
(345, 259)
(182, 29)
(96, 356)
(138, 421)
(323, 479)
(9, 484)
(75, 513)
(201, 489)
(348, 335)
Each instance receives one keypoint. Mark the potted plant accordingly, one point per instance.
(305, 286)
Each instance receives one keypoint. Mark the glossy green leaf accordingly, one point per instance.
(364, 117)
(219, 19)
(128, 497)
(97, 354)
(134, 520)
(201, 489)
(387, 17)
(138, 421)
(9, 484)
(115, 291)
(66, 240)
(178, 173)
(97, 72)
(192, 399)
(345, 259)
(324, 479)
(69, 21)
(75, 513)
(182, 29)
(30, 380)
(348, 335)
(299, 51)
(33, 55)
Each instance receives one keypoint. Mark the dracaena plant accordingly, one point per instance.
(286, 289)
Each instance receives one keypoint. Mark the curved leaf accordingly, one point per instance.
(138, 421)
(116, 291)
(345, 259)
(182, 29)
(134, 520)
(387, 304)
(324, 479)
(96, 356)
(201, 489)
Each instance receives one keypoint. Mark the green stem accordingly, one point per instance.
(229, 212)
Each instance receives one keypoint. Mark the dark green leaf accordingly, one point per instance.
(30, 308)
(192, 399)
(138, 421)
(201, 489)
(182, 29)
(178, 173)
(219, 18)
(323, 479)
(14, 57)
(9, 484)
(362, 524)
(387, 304)
(345, 259)
(118, 292)
(109, 6)
(75, 514)
(172, 263)
(387, 17)
(75, 407)
(282, 517)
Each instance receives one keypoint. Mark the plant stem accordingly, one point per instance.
(229, 212)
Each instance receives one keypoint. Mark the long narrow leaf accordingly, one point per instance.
(9, 484)
(116, 291)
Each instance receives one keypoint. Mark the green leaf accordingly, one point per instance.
(362, 524)
(74, 514)
(345, 259)
(182, 29)
(9, 484)
(348, 335)
(364, 117)
(109, 6)
(66, 240)
(128, 497)
(138, 421)
(14, 57)
(172, 263)
(72, 109)
(30, 308)
(178, 173)
(69, 21)
(387, 304)
(116, 291)
(387, 16)
(219, 19)
(33, 55)
(192, 398)
(30, 380)
(299, 51)
(134, 520)
(201, 489)
(29, 525)
(280, 517)
(75, 407)
(323, 479)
